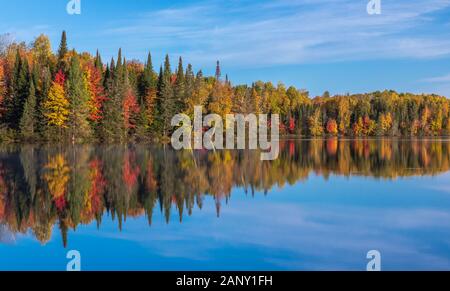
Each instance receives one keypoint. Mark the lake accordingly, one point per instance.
(323, 205)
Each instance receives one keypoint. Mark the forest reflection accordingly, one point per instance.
(44, 186)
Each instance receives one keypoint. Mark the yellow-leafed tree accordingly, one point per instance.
(57, 105)
(57, 177)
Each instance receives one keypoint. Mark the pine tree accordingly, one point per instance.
(19, 89)
(118, 75)
(179, 88)
(218, 71)
(147, 102)
(149, 79)
(107, 75)
(28, 120)
(42, 91)
(166, 102)
(62, 52)
(78, 95)
(189, 83)
(157, 125)
(112, 123)
(98, 62)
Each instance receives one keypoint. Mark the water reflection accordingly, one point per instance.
(41, 187)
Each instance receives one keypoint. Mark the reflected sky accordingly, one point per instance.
(321, 222)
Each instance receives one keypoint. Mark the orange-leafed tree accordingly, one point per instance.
(96, 93)
(332, 127)
(94, 200)
(291, 126)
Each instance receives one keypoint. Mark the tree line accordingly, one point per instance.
(44, 186)
(76, 96)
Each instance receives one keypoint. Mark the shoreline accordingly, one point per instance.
(282, 138)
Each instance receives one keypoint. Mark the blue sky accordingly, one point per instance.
(313, 44)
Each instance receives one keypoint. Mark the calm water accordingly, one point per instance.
(321, 206)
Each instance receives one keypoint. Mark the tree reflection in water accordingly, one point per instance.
(43, 186)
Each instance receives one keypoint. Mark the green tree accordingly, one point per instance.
(179, 88)
(166, 105)
(63, 50)
(112, 126)
(149, 79)
(189, 84)
(78, 94)
(19, 89)
(28, 121)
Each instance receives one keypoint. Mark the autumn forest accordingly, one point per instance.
(78, 97)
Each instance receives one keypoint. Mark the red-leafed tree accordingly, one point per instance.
(130, 171)
(60, 78)
(291, 125)
(332, 127)
(96, 93)
(98, 184)
(130, 110)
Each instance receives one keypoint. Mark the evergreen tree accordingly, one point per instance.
(218, 71)
(78, 95)
(112, 124)
(41, 95)
(98, 62)
(189, 83)
(28, 121)
(179, 89)
(62, 52)
(19, 89)
(118, 71)
(149, 80)
(107, 76)
(158, 122)
(147, 102)
(166, 101)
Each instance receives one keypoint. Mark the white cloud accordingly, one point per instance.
(291, 32)
(439, 79)
(29, 33)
